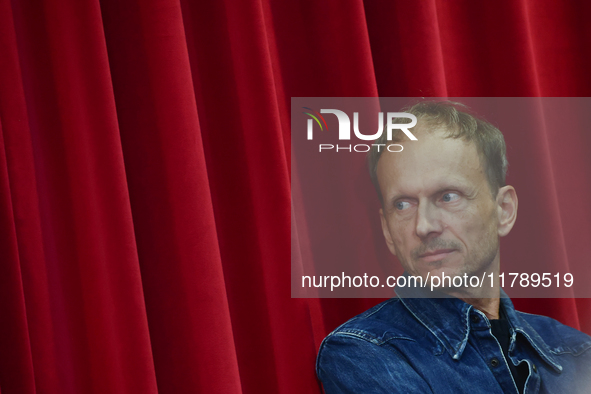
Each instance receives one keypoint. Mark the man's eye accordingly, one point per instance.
(449, 197)
(401, 205)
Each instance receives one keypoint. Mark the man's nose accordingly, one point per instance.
(428, 220)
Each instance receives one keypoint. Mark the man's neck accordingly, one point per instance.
(486, 299)
(488, 306)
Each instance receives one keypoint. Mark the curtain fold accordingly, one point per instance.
(145, 173)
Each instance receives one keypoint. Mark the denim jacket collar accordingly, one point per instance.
(448, 319)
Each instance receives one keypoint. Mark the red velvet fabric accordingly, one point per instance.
(145, 180)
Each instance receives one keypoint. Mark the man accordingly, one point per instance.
(445, 205)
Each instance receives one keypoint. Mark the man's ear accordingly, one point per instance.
(386, 232)
(506, 209)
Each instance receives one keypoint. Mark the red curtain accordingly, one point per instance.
(145, 180)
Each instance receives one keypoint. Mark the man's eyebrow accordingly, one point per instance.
(460, 189)
(398, 197)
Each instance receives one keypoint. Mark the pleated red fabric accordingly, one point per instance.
(145, 207)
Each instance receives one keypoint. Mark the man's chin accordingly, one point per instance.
(441, 268)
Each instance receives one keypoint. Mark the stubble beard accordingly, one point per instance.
(477, 262)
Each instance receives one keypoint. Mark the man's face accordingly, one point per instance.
(439, 215)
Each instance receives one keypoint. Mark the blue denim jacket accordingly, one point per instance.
(430, 345)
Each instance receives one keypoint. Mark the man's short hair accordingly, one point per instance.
(456, 122)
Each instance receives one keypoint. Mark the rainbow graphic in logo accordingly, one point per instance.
(316, 118)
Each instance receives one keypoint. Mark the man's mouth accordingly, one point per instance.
(435, 255)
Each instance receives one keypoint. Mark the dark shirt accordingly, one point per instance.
(428, 345)
(501, 329)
